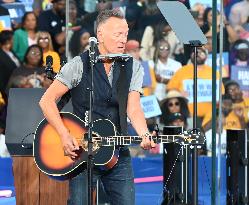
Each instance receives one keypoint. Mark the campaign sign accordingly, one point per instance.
(150, 106)
(5, 22)
(147, 77)
(16, 11)
(241, 75)
(225, 68)
(204, 90)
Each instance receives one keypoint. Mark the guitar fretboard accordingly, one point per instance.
(128, 140)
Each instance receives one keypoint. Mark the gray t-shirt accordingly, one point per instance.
(71, 74)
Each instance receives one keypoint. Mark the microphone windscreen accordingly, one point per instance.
(92, 43)
(49, 60)
(93, 40)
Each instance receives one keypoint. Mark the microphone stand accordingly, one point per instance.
(90, 127)
(195, 44)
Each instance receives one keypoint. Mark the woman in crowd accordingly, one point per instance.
(79, 42)
(164, 67)
(8, 60)
(174, 113)
(230, 36)
(32, 68)
(45, 42)
(174, 102)
(153, 34)
(26, 35)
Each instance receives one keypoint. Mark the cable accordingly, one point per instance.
(23, 144)
(170, 173)
(209, 184)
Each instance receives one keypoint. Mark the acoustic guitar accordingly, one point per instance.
(50, 157)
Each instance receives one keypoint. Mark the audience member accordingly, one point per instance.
(244, 30)
(173, 119)
(2, 101)
(151, 15)
(45, 42)
(133, 47)
(53, 21)
(239, 14)
(183, 82)
(164, 67)
(2, 113)
(153, 34)
(20, 81)
(79, 42)
(32, 68)
(133, 14)
(174, 102)
(238, 118)
(73, 20)
(177, 119)
(89, 20)
(230, 36)
(8, 60)
(240, 53)
(26, 35)
(199, 8)
(223, 142)
(41, 5)
(209, 44)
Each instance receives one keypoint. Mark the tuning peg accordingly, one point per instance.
(156, 129)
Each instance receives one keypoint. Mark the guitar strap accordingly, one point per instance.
(64, 100)
(123, 85)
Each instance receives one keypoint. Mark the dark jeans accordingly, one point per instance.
(118, 183)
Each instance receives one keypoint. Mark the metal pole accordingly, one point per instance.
(67, 29)
(90, 132)
(214, 53)
(220, 127)
(246, 166)
(186, 175)
(194, 154)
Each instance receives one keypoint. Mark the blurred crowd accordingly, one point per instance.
(168, 64)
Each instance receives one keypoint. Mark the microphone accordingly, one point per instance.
(92, 43)
(49, 69)
(49, 61)
(63, 60)
(114, 56)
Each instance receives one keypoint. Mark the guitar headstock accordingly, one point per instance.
(176, 134)
(193, 137)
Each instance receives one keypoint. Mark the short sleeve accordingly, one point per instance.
(71, 73)
(137, 77)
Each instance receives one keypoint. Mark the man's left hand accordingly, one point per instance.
(147, 141)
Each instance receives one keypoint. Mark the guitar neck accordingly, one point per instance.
(128, 140)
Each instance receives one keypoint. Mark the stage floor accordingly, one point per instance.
(148, 177)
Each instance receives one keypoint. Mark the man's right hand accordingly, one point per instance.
(70, 145)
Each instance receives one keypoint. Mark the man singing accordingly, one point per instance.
(117, 87)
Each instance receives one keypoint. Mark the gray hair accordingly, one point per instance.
(108, 13)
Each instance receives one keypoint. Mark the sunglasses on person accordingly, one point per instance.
(46, 40)
(171, 104)
(33, 53)
(162, 48)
